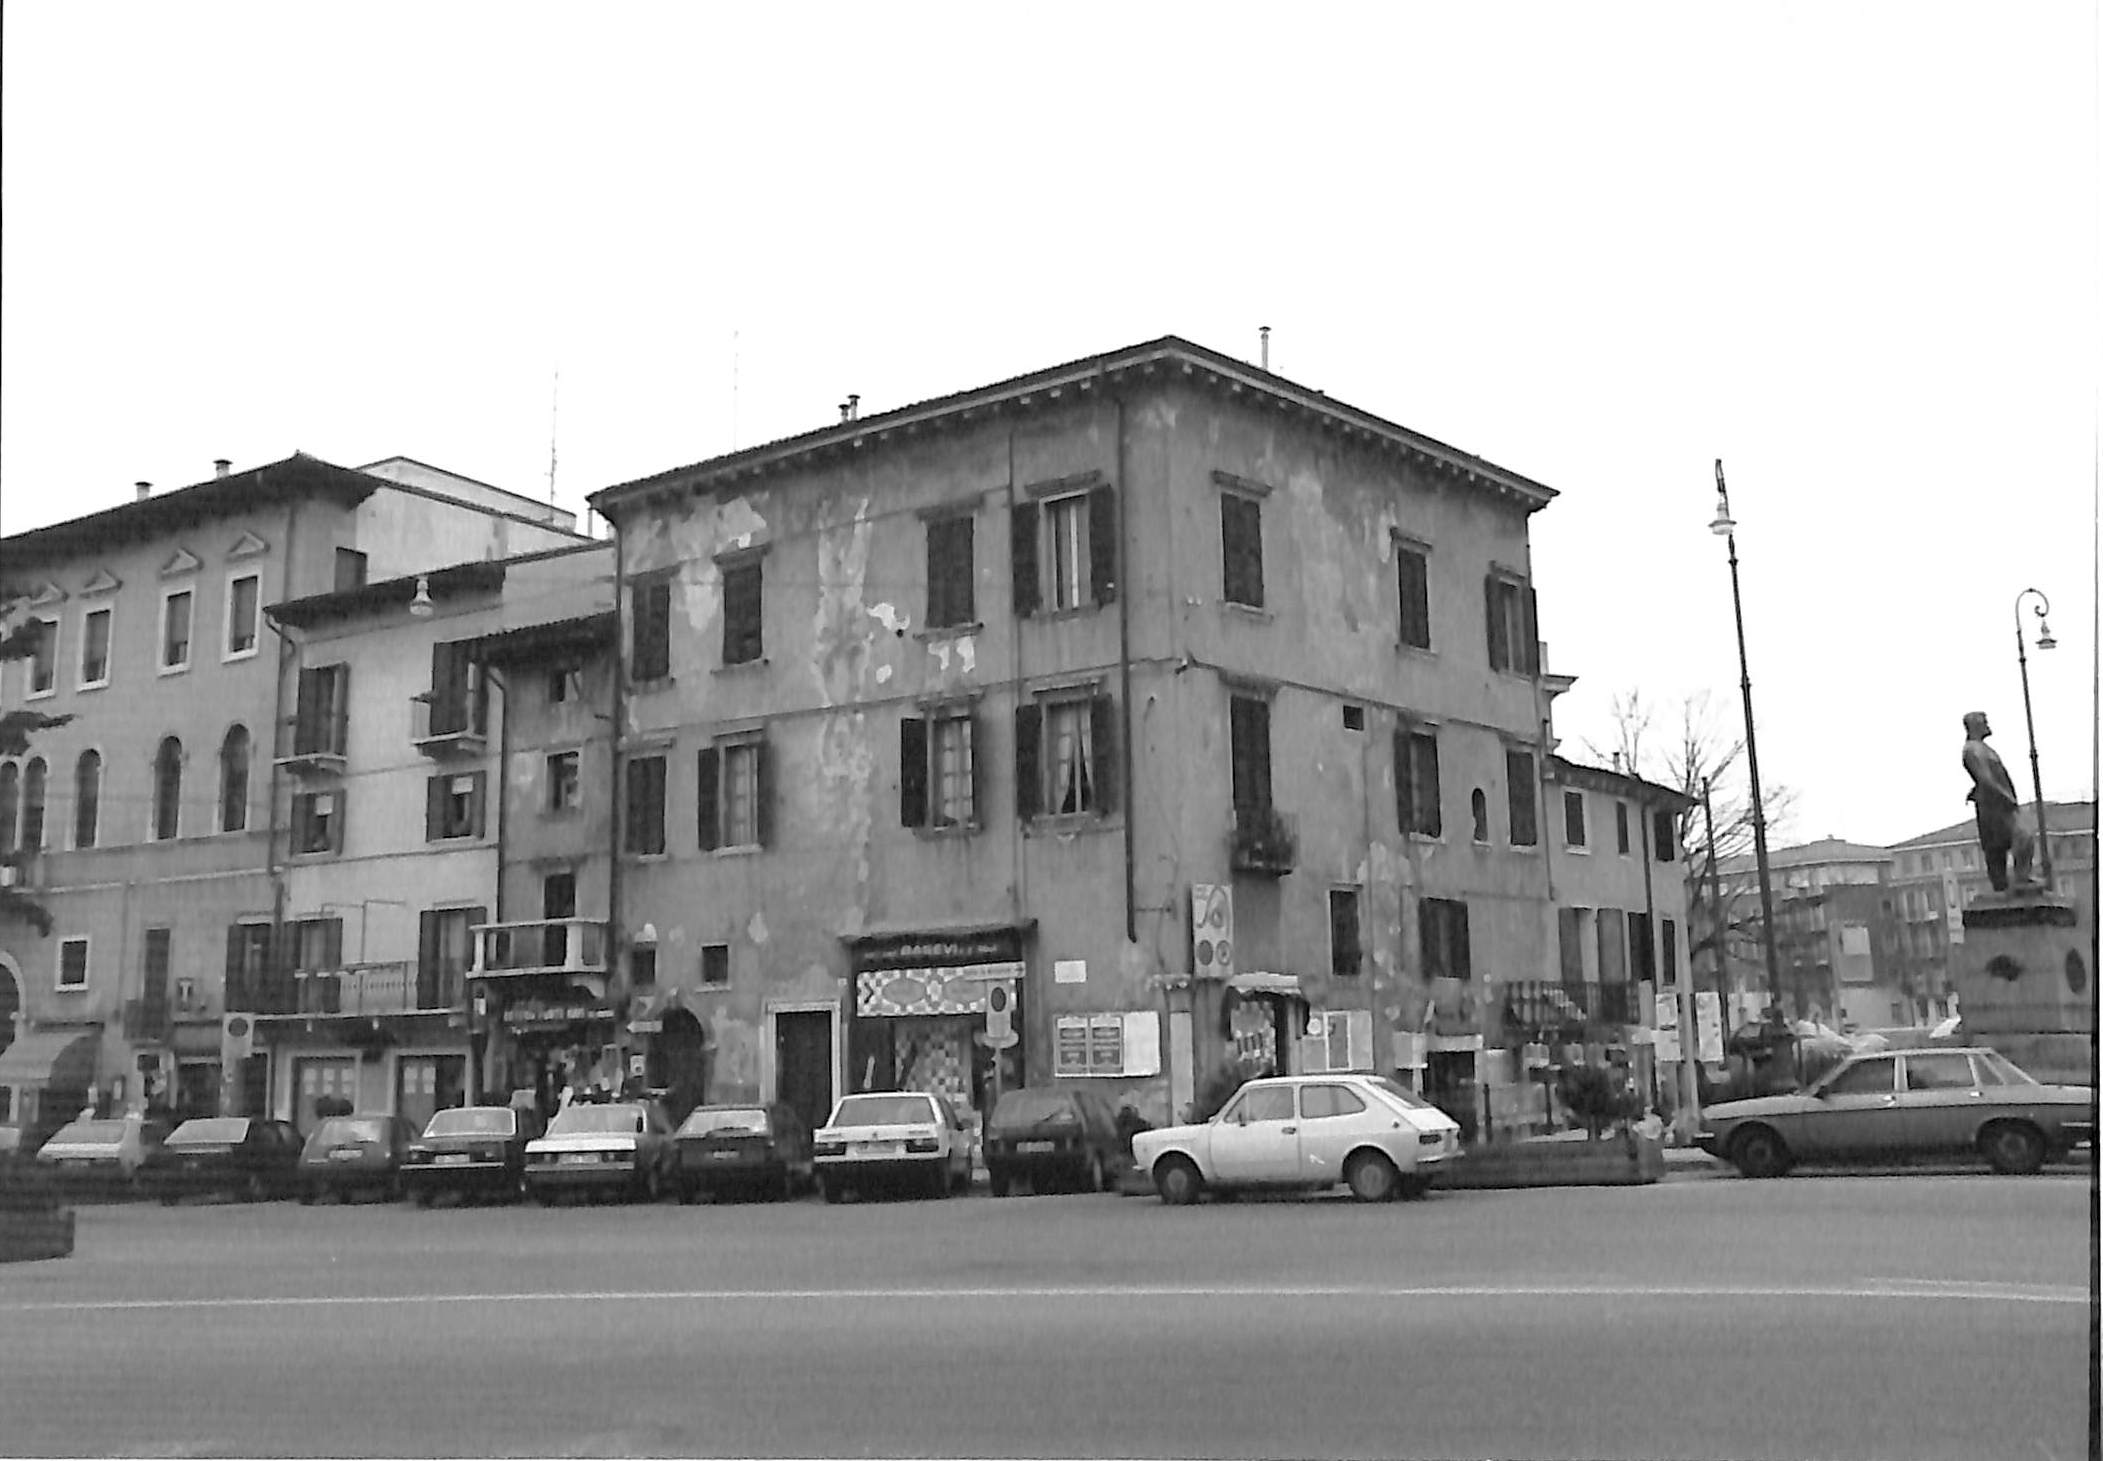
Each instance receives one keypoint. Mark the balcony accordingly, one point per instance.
(318, 744)
(361, 990)
(1554, 1009)
(1265, 841)
(573, 947)
(452, 724)
(146, 1019)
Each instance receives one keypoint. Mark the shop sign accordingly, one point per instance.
(935, 950)
(538, 1016)
(944, 990)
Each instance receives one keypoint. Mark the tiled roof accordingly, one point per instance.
(2059, 817)
(1825, 851)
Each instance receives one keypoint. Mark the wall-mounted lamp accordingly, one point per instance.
(421, 607)
(646, 936)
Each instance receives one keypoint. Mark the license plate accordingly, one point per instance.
(874, 1148)
(723, 1156)
(451, 1159)
(570, 1159)
(1036, 1146)
(344, 1154)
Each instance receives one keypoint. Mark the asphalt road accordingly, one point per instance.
(1912, 1316)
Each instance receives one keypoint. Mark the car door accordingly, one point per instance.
(1256, 1140)
(1854, 1113)
(1941, 1103)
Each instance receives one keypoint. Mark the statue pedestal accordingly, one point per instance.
(2024, 985)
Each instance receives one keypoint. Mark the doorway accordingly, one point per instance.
(315, 1081)
(1449, 1084)
(803, 1049)
(427, 1084)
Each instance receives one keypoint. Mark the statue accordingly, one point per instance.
(1994, 794)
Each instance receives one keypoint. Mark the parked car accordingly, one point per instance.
(350, 1154)
(472, 1152)
(752, 1150)
(623, 1148)
(101, 1156)
(1305, 1132)
(1054, 1137)
(1884, 1105)
(908, 1136)
(243, 1156)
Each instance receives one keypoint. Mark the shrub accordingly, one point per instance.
(1598, 1097)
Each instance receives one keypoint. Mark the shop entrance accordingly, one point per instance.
(427, 1084)
(1449, 1084)
(316, 1080)
(803, 1045)
(677, 1063)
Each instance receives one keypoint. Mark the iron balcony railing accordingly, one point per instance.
(449, 724)
(396, 988)
(318, 742)
(1265, 840)
(541, 946)
(1550, 1006)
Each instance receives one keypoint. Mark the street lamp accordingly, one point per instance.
(2037, 788)
(1724, 527)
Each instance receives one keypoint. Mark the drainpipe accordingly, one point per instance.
(618, 790)
(287, 653)
(1124, 675)
(477, 1041)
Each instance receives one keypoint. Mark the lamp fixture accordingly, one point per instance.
(421, 607)
(646, 936)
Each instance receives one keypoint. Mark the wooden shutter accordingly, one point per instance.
(1029, 772)
(1457, 920)
(1493, 619)
(339, 813)
(1249, 749)
(1405, 779)
(1102, 543)
(708, 799)
(1102, 734)
(1413, 579)
(1530, 652)
(237, 993)
(1022, 557)
(427, 946)
(307, 716)
(478, 804)
(332, 943)
(1668, 950)
(434, 807)
(762, 793)
(1430, 813)
(912, 771)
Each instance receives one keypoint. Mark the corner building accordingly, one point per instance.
(1201, 713)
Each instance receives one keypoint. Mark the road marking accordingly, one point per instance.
(1876, 1289)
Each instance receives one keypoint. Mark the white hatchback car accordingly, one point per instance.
(907, 1134)
(1305, 1131)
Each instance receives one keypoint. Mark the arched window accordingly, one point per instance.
(167, 789)
(233, 780)
(1479, 806)
(10, 803)
(33, 806)
(87, 797)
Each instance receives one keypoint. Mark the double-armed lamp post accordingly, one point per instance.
(1724, 527)
(2037, 786)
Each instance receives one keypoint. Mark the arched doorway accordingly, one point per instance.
(678, 1061)
(10, 1002)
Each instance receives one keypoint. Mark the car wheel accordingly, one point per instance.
(829, 1189)
(1372, 1177)
(1759, 1151)
(306, 1197)
(540, 1197)
(1178, 1181)
(2014, 1148)
(998, 1181)
(1414, 1187)
(253, 1189)
(422, 1197)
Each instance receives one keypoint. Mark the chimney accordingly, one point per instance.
(1264, 331)
(221, 466)
(846, 410)
(144, 489)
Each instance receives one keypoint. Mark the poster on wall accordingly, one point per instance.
(1117, 1043)
(1708, 1025)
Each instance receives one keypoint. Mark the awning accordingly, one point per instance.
(1261, 981)
(62, 1059)
(195, 1042)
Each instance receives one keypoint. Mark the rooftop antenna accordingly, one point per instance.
(1264, 331)
(554, 410)
(733, 390)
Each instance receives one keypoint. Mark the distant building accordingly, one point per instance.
(1837, 947)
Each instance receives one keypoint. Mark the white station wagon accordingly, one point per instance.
(1307, 1131)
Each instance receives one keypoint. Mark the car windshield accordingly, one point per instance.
(1400, 1093)
(900, 1110)
(210, 1129)
(2010, 1073)
(596, 1120)
(1031, 1108)
(90, 1133)
(474, 1121)
(340, 1129)
(725, 1118)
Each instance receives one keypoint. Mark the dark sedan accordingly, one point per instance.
(755, 1150)
(473, 1152)
(241, 1156)
(1053, 1138)
(1905, 1104)
(356, 1154)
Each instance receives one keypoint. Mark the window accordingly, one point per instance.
(1621, 828)
(1642, 952)
(1873, 1077)
(1344, 952)
(350, 569)
(233, 780)
(1668, 951)
(742, 638)
(95, 648)
(453, 806)
(445, 951)
(715, 965)
(937, 770)
(1664, 836)
(645, 819)
(642, 967)
(317, 945)
(1249, 751)
(1241, 536)
(1442, 937)
(565, 684)
(73, 963)
(732, 795)
(1417, 782)
(43, 658)
(457, 704)
(153, 982)
(1063, 757)
(317, 821)
(1942, 1071)
(247, 963)
(1519, 790)
(87, 797)
(321, 716)
(950, 571)
(564, 784)
(1354, 717)
(1320, 1102)
(1508, 606)
(33, 805)
(167, 790)
(10, 804)
(1413, 578)
(1266, 1103)
(650, 648)
(1479, 812)
(243, 599)
(1063, 550)
(1574, 820)
(175, 629)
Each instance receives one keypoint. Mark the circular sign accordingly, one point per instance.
(1204, 952)
(2076, 971)
(237, 1026)
(997, 998)
(1224, 951)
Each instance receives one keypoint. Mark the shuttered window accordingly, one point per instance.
(1241, 536)
(650, 645)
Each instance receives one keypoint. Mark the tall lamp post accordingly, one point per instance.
(1724, 527)
(2037, 786)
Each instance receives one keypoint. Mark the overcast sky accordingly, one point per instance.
(1851, 250)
